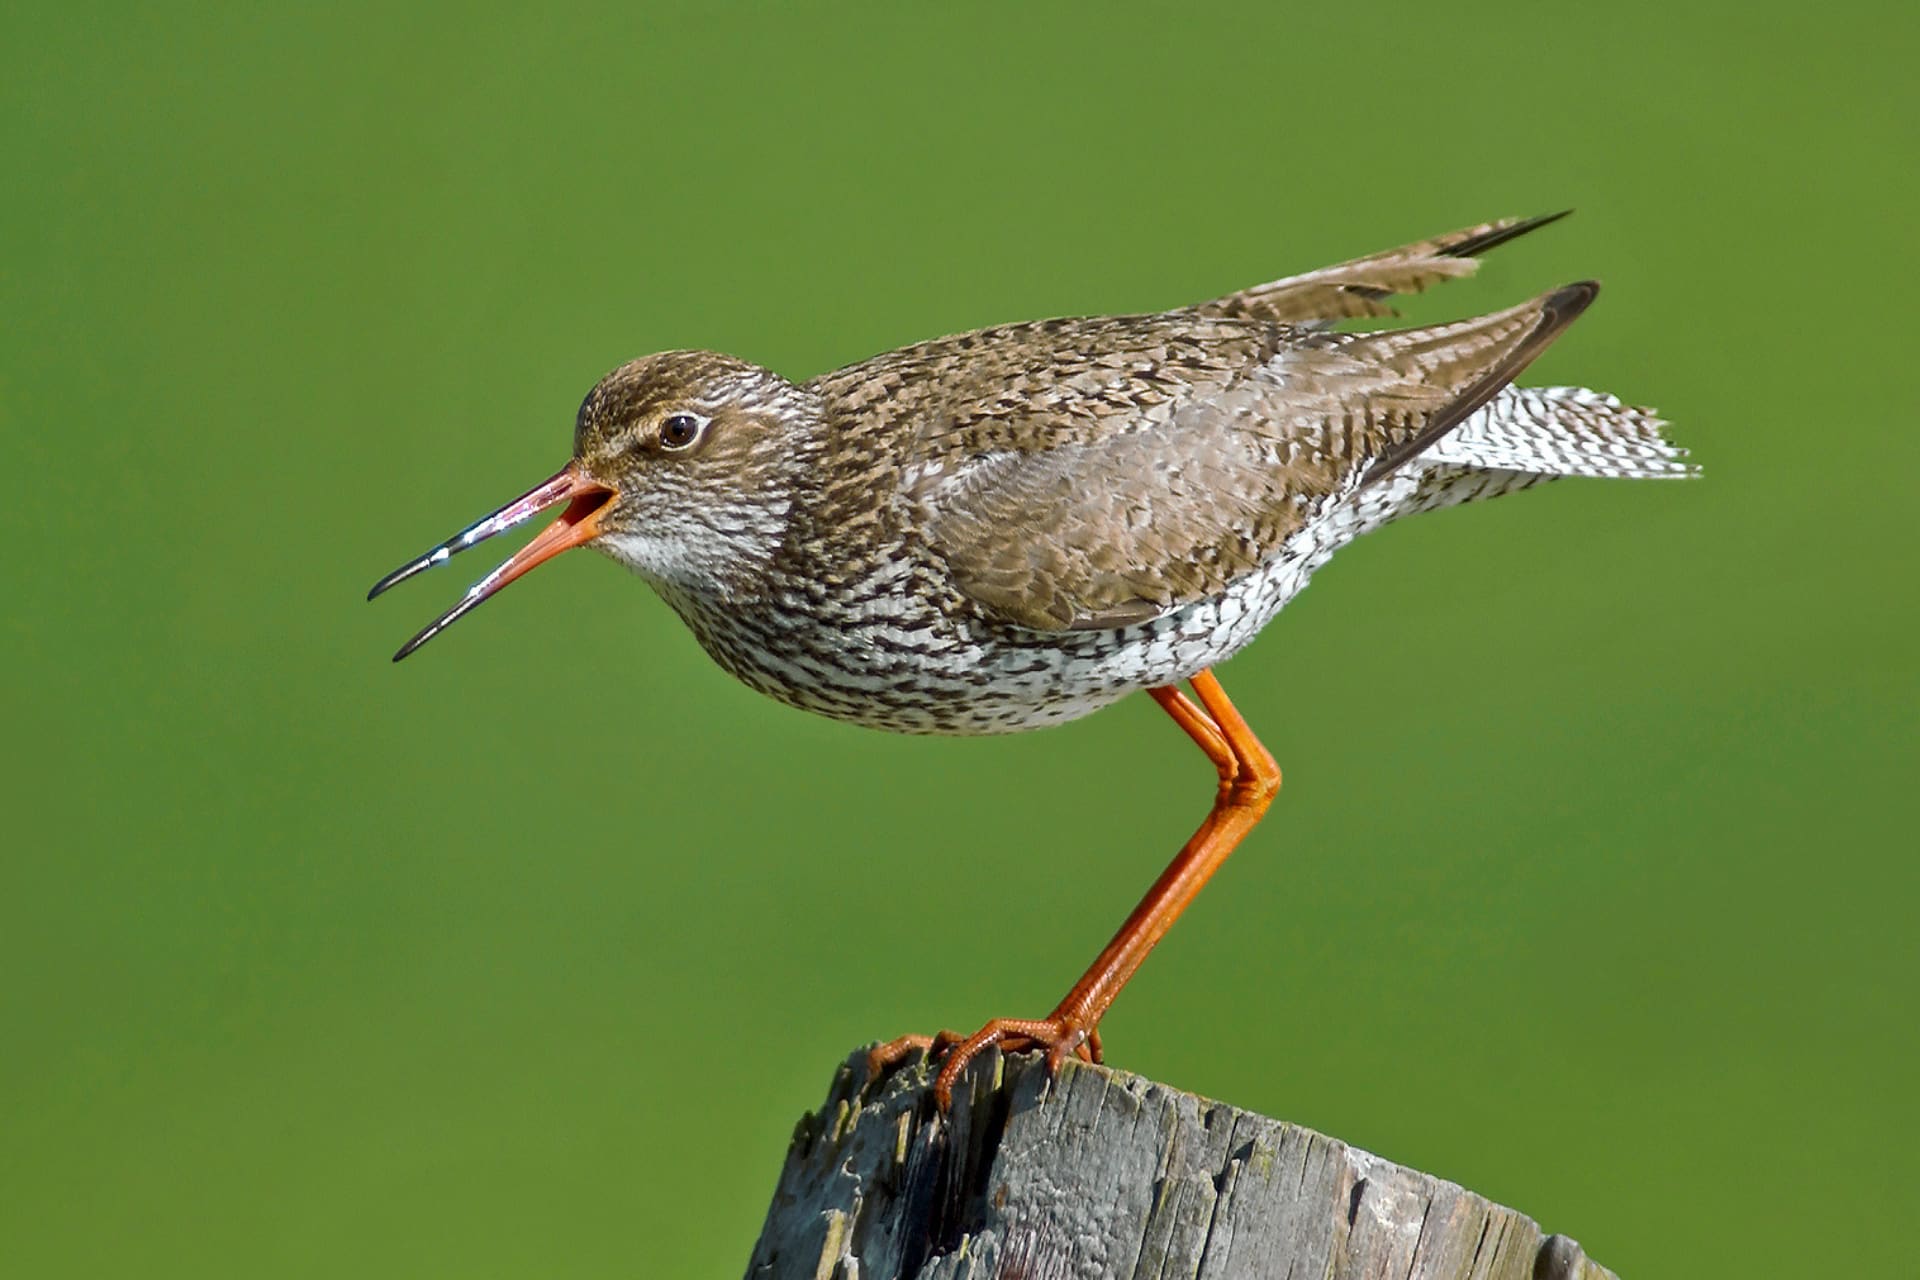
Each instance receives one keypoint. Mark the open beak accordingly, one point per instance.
(587, 501)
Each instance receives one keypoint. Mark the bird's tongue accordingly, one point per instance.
(587, 500)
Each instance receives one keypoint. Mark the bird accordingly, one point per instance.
(1011, 528)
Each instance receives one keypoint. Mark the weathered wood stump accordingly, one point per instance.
(1099, 1173)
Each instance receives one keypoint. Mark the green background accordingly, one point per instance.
(1593, 883)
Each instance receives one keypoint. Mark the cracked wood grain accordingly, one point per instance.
(1101, 1174)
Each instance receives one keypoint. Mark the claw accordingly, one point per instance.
(883, 1058)
(1059, 1037)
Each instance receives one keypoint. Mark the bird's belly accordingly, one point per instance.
(895, 663)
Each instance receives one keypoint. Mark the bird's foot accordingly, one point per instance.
(1058, 1035)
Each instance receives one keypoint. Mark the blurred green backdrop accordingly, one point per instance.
(1593, 883)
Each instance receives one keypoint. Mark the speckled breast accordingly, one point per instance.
(900, 653)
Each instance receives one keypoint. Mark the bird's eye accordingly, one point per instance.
(682, 430)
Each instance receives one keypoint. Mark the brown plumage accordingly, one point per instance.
(1086, 474)
(1013, 527)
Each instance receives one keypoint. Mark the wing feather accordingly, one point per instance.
(1102, 511)
(1361, 287)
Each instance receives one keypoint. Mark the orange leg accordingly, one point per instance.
(1249, 778)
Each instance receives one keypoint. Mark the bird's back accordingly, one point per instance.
(1085, 474)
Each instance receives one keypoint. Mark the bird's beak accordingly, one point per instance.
(587, 502)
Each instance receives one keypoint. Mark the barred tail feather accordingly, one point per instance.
(1561, 431)
(1525, 436)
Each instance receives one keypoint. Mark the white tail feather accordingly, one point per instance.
(1561, 431)
(1525, 436)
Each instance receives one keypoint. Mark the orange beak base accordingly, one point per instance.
(587, 501)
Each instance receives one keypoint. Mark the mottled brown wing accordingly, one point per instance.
(1107, 513)
(1119, 529)
(1362, 287)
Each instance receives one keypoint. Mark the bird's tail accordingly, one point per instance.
(1561, 431)
(1523, 437)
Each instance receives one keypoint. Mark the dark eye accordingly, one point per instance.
(681, 430)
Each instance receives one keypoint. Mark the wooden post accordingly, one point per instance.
(1099, 1173)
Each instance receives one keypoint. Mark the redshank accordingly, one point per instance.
(1014, 527)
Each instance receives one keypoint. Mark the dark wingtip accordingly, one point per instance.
(1493, 239)
(1557, 310)
(1565, 304)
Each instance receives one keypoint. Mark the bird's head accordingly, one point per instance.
(685, 467)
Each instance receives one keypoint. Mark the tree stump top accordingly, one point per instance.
(1103, 1174)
